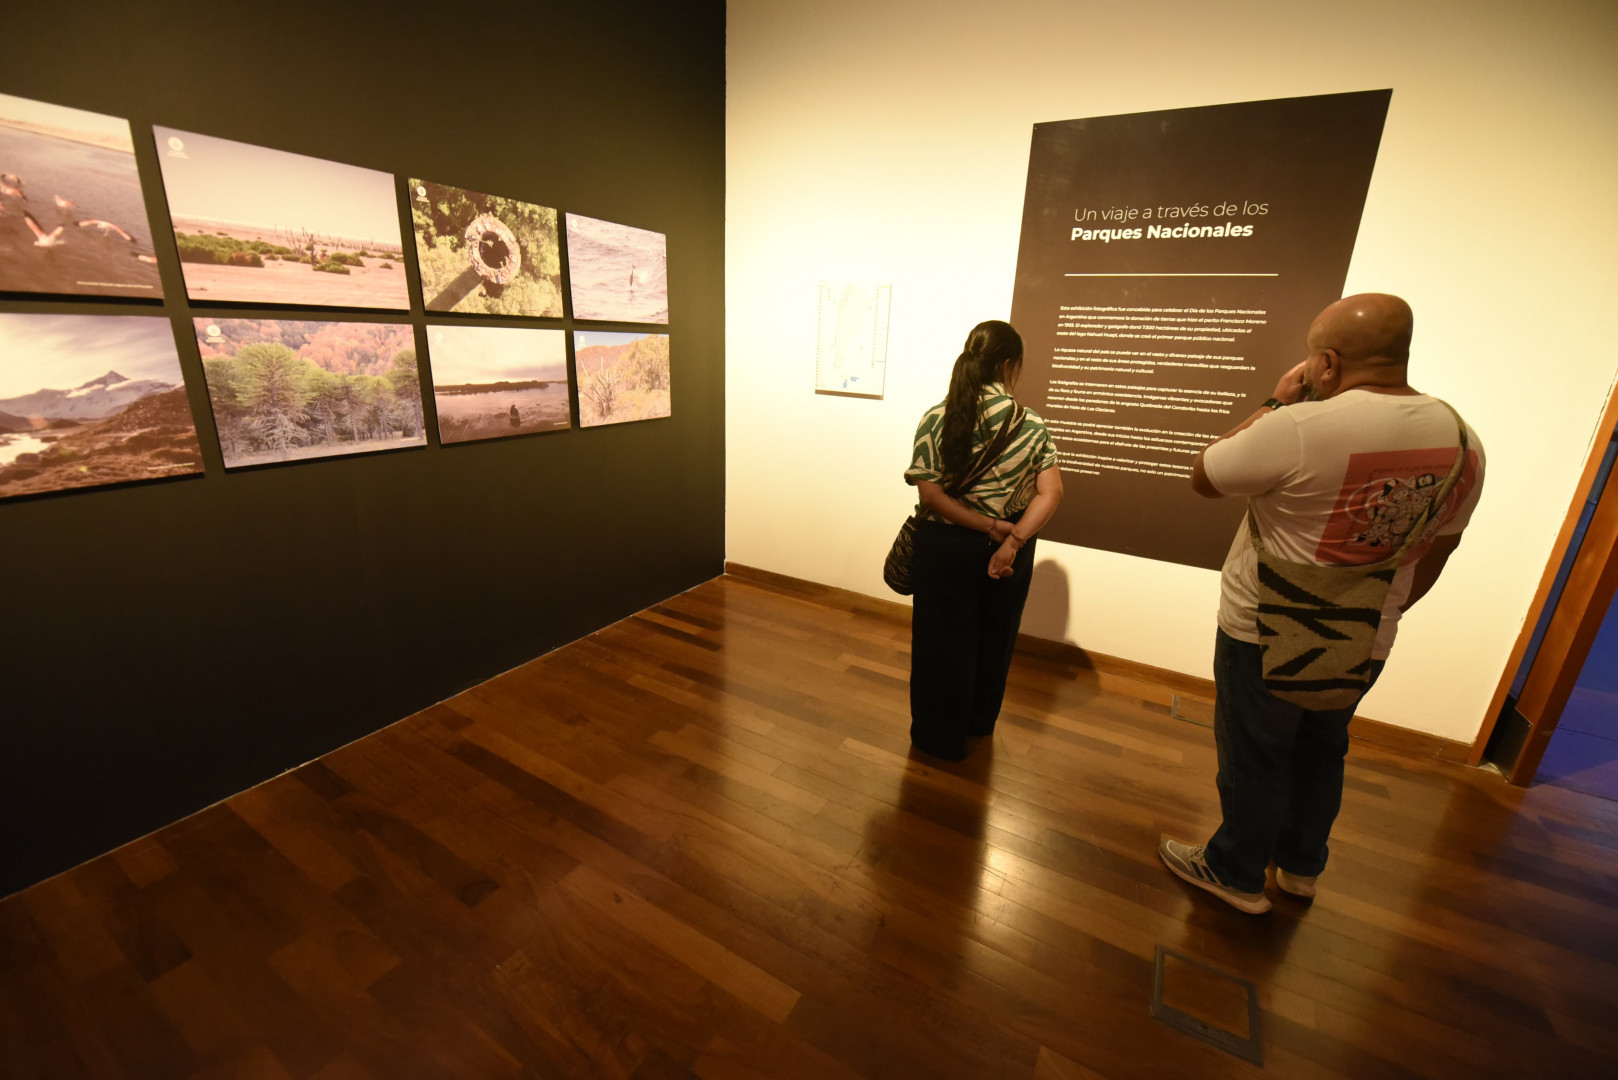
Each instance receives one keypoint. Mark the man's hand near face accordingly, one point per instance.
(1292, 389)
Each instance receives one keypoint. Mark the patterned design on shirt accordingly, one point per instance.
(1008, 485)
(1384, 495)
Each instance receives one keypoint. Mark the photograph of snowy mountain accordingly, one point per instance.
(87, 400)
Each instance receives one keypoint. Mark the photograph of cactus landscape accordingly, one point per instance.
(483, 254)
(494, 381)
(91, 399)
(622, 377)
(265, 226)
(285, 390)
(72, 217)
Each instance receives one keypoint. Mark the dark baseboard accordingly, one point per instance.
(1142, 680)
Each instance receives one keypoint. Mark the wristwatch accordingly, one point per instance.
(1275, 403)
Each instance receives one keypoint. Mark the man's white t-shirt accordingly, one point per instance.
(1341, 482)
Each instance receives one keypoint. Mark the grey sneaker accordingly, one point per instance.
(1191, 864)
(1296, 884)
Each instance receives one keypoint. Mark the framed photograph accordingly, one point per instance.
(851, 338)
(285, 390)
(493, 381)
(622, 377)
(72, 216)
(617, 273)
(262, 226)
(485, 255)
(87, 400)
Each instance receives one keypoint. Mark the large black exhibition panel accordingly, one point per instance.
(168, 644)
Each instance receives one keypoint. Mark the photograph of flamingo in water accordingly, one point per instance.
(484, 254)
(617, 273)
(494, 381)
(287, 390)
(87, 400)
(265, 226)
(72, 217)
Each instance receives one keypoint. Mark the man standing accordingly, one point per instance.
(1338, 468)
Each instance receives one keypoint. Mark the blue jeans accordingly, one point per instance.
(1280, 772)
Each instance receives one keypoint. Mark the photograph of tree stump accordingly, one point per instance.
(483, 254)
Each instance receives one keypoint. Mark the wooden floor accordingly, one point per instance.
(694, 844)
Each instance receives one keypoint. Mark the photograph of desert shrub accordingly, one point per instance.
(72, 217)
(87, 400)
(617, 273)
(483, 254)
(265, 226)
(621, 377)
(494, 381)
(287, 390)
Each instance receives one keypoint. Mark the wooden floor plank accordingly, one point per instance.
(697, 843)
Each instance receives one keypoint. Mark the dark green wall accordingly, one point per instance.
(167, 645)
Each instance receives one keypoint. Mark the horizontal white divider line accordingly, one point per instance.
(1171, 275)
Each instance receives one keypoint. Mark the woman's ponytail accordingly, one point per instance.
(988, 348)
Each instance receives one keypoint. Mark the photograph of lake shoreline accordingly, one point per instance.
(622, 377)
(485, 254)
(266, 226)
(617, 273)
(287, 390)
(89, 400)
(72, 216)
(490, 382)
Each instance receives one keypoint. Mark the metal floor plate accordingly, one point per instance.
(1248, 1049)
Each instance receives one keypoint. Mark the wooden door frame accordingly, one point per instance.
(1579, 592)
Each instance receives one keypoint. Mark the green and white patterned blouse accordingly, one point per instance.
(1008, 485)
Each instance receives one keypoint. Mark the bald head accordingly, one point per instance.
(1368, 330)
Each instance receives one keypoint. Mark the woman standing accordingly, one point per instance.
(974, 548)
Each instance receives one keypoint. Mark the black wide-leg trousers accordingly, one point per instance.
(963, 631)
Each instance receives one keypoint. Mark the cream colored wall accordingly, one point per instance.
(889, 141)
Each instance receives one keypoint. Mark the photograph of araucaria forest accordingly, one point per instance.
(484, 254)
(622, 377)
(286, 390)
(266, 226)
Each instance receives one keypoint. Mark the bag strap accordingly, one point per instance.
(1419, 527)
(990, 453)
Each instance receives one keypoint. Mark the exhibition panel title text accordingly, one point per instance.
(1169, 222)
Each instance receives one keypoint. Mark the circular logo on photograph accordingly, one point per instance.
(421, 191)
(213, 331)
(176, 143)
